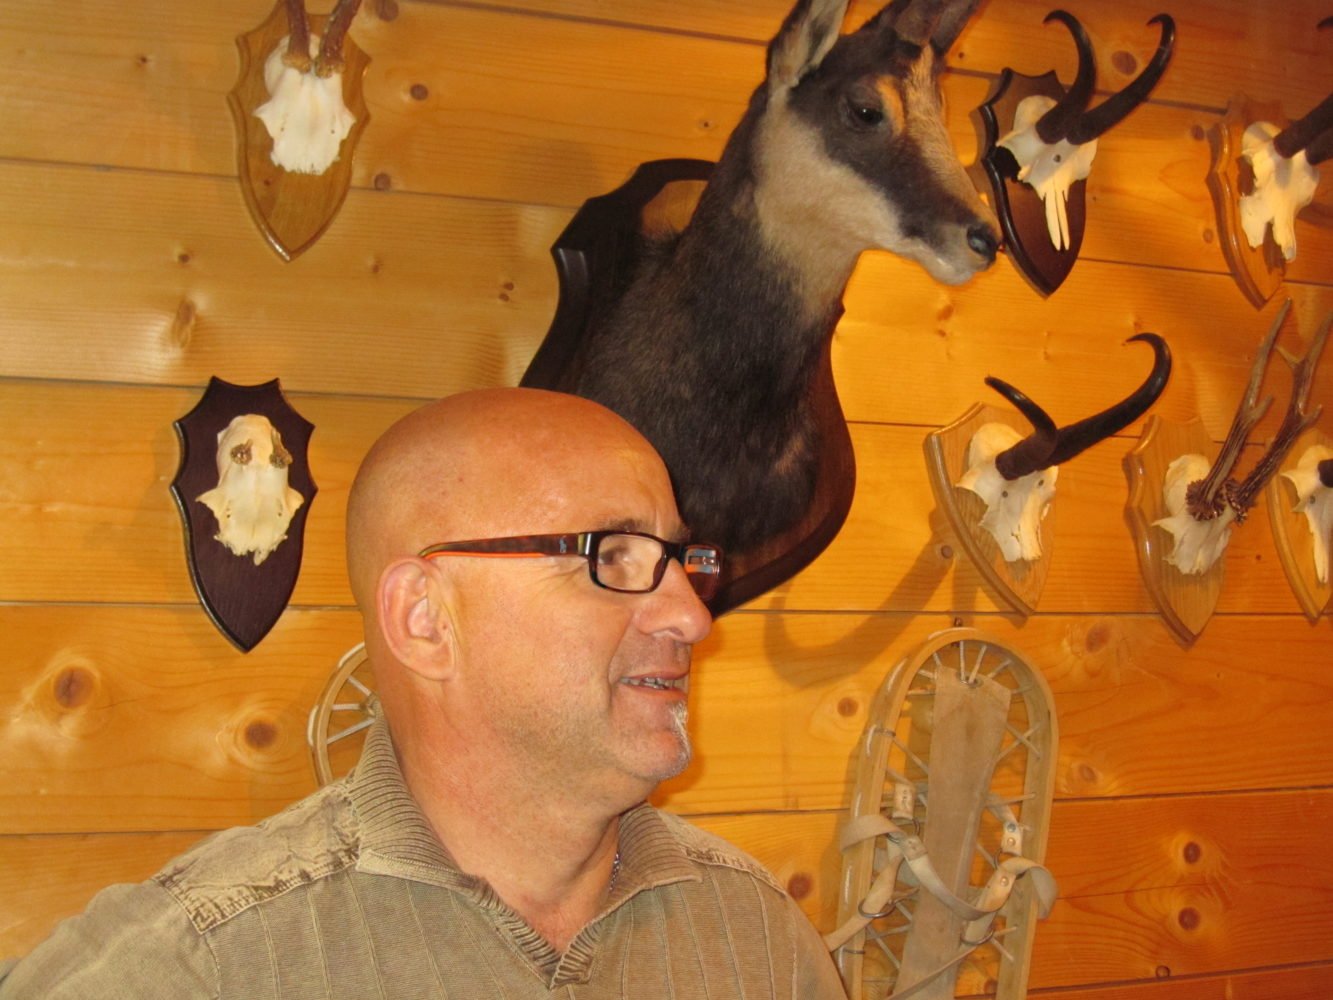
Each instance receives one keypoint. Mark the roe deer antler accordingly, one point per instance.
(1207, 498)
(1294, 423)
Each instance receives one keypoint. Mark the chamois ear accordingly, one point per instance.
(803, 41)
(938, 22)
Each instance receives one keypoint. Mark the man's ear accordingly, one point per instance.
(414, 617)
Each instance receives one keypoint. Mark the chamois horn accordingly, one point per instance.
(1048, 446)
(1069, 119)
(1313, 133)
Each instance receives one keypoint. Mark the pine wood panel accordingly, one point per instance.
(1149, 889)
(911, 351)
(124, 719)
(140, 278)
(1258, 868)
(88, 486)
(1097, 849)
(1220, 42)
(86, 471)
(1307, 982)
(560, 111)
(169, 284)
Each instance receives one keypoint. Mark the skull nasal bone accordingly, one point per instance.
(983, 241)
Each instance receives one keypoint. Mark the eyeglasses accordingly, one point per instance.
(630, 562)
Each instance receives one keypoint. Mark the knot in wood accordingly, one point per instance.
(799, 886)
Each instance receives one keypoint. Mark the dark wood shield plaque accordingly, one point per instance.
(1022, 214)
(244, 598)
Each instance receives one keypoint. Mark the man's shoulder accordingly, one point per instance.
(239, 868)
(710, 850)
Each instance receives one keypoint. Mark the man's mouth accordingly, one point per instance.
(657, 683)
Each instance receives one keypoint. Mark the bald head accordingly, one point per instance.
(486, 463)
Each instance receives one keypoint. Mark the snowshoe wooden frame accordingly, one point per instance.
(955, 779)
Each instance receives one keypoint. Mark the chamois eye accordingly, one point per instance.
(866, 114)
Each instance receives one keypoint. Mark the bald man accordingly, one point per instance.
(530, 599)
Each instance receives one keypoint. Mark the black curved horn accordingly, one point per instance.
(1113, 110)
(1048, 446)
(1032, 452)
(1303, 133)
(1084, 434)
(1055, 124)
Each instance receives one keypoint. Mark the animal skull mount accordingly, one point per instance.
(252, 502)
(243, 489)
(1300, 510)
(1262, 176)
(1183, 508)
(299, 112)
(1040, 143)
(997, 486)
(1015, 508)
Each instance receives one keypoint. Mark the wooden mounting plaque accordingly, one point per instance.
(1291, 532)
(1259, 271)
(1186, 601)
(243, 599)
(1022, 213)
(291, 210)
(1018, 584)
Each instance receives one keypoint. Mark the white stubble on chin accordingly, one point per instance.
(680, 714)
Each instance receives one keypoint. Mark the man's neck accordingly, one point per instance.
(551, 861)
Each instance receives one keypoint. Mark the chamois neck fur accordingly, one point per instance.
(731, 308)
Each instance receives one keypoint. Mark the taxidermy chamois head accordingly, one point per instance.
(717, 347)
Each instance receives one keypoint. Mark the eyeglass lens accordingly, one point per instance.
(636, 563)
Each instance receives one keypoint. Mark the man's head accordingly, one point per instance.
(524, 660)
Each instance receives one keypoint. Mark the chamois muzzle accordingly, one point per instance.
(984, 241)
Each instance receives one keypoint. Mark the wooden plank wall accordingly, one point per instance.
(1195, 787)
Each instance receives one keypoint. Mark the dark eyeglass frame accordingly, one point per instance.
(702, 561)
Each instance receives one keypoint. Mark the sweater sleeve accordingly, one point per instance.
(816, 974)
(133, 942)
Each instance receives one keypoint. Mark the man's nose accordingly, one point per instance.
(676, 609)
